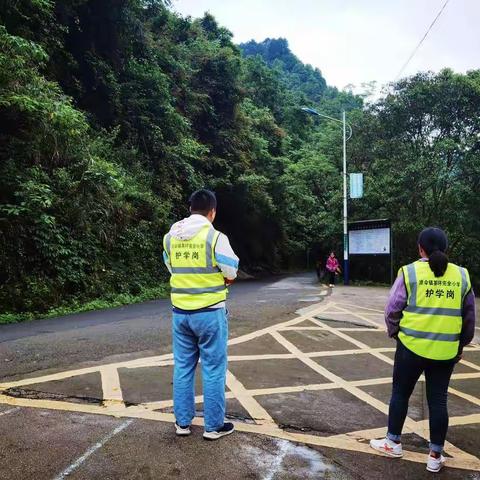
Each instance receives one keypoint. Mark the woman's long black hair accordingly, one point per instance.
(435, 243)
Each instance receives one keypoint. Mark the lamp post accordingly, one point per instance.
(311, 111)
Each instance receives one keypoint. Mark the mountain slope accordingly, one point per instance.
(295, 74)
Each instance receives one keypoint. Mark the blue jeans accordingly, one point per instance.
(200, 335)
(406, 371)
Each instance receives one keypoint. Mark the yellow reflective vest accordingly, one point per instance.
(432, 321)
(196, 281)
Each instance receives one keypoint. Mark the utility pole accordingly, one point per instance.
(346, 266)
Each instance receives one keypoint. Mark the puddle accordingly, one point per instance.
(302, 462)
(310, 299)
(291, 284)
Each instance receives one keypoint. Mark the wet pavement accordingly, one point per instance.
(308, 385)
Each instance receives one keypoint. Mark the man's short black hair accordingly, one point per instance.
(202, 201)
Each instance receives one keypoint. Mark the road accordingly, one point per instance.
(89, 395)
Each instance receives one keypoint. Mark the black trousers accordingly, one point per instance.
(331, 278)
(406, 371)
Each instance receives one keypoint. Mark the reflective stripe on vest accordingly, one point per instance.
(194, 291)
(167, 242)
(444, 337)
(432, 321)
(195, 269)
(196, 281)
(210, 235)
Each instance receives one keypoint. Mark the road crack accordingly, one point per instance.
(40, 395)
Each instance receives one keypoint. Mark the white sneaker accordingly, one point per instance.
(388, 447)
(182, 431)
(227, 429)
(435, 464)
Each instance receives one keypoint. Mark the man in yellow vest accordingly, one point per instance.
(202, 264)
(431, 313)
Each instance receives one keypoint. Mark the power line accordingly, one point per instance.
(421, 41)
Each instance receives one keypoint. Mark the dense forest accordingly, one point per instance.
(112, 112)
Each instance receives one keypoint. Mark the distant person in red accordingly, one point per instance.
(333, 268)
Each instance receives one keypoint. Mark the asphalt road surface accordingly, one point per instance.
(89, 396)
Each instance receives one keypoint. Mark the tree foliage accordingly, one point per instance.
(420, 147)
(112, 112)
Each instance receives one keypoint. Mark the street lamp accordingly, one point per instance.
(311, 111)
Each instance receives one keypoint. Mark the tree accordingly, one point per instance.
(423, 161)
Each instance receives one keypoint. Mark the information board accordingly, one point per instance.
(371, 241)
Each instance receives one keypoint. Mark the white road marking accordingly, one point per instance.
(92, 450)
(10, 410)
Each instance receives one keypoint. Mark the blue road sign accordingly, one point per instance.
(356, 185)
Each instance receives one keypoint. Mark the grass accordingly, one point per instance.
(152, 293)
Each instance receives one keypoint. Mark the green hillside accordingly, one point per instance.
(295, 75)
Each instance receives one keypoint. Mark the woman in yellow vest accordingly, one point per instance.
(431, 313)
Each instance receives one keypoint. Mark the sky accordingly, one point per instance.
(356, 41)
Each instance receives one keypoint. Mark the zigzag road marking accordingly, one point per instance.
(264, 424)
